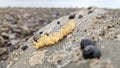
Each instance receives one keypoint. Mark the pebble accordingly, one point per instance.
(5, 35)
(3, 50)
(40, 32)
(41, 20)
(58, 22)
(25, 30)
(89, 12)
(2, 41)
(3, 64)
(72, 16)
(86, 42)
(4, 57)
(91, 51)
(80, 16)
(89, 8)
(99, 16)
(24, 47)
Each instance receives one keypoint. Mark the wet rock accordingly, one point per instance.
(2, 41)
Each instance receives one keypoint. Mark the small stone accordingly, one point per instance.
(5, 35)
(2, 41)
(2, 51)
(90, 52)
(58, 22)
(41, 20)
(80, 16)
(4, 57)
(24, 47)
(99, 16)
(72, 16)
(3, 64)
(25, 30)
(40, 32)
(59, 62)
(86, 42)
(89, 8)
(89, 12)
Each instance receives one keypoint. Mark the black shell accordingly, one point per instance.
(86, 42)
(91, 51)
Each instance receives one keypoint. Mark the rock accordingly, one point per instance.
(40, 32)
(25, 30)
(72, 16)
(2, 41)
(80, 16)
(99, 16)
(58, 22)
(3, 51)
(89, 12)
(89, 8)
(5, 35)
(41, 20)
(66, 53)
(24, 47)
(4, 57)
(3, 64)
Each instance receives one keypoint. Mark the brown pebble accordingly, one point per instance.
(89, 12)
(3, 51)
(25, 30)
(2, 41)
(89, 8)
(4, 57)
(5, 35)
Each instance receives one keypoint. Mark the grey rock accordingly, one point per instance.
(67, 53)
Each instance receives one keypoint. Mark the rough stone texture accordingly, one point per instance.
(97, 25)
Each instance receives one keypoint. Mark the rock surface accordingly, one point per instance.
(18, 24)
(97, 24)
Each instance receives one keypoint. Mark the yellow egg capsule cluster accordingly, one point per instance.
(53, 38)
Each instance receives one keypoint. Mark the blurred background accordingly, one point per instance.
(61, 3)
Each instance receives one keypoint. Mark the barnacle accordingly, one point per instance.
(46, 40)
